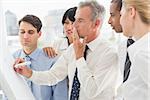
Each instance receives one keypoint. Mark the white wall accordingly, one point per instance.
(41, 8)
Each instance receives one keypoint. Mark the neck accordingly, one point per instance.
(92, 37)
(29, 50)
(144, 29)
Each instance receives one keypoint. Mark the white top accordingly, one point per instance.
(122, 51)
(97, 74)
(60, 45)
(137, 87)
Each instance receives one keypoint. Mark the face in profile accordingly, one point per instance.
(126, 22)
(68, 27)
(114, 19)
(28, 35)
(83, 23)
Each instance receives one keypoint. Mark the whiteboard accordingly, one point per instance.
(13, 84)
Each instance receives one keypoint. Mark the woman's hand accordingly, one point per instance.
(50, 51)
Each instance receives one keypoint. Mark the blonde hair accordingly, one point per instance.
(142, 7)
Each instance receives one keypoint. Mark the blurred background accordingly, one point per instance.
(49, 11)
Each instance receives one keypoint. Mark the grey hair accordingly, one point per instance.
(98, 11)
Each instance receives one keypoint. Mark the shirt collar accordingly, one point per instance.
(138, 43)
(33, 55)
(93, 44)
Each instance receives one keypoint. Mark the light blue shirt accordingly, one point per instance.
(41, 62)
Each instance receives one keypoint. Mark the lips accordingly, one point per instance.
(26, 41)
(69, 32)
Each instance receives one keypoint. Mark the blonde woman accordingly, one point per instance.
(135, 21)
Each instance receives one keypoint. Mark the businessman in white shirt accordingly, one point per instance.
(95, 75)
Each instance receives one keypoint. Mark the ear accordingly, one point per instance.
(39, 33)
(132, 12)
(97, 23)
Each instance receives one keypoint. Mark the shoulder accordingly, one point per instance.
(60, 40)
(43, 55)
(17, 53)
(106, 46)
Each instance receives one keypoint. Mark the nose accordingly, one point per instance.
(109, 21)
(70, 26)
(26, 35)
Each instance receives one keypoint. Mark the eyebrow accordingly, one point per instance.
(24, 30)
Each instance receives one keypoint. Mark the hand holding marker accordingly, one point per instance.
(23, 64)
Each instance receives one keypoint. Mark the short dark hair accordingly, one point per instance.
(70, 14)
(33, 20)
(119, 4)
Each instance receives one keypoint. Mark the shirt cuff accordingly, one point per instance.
(33, 75)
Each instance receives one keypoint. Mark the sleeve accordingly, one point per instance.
(56, 44)
(95, 82)
(57, 73)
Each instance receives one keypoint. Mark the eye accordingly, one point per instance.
(31, 32)
(80, 20)
(66, 22)
(112, 15)
(21, 32)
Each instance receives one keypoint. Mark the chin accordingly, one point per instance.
(126, 34)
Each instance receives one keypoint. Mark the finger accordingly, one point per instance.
(49, 52)
(45, 50)
(20, 60)
(17, 61)
(53, 53)
(75, 35)
(14, 69)
(18, 70)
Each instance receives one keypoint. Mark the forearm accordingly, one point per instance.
(46, 77)
(57, 73)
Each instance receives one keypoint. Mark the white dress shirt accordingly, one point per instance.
(60, 45)
(97, 74)
(137, 87)
(122, 51)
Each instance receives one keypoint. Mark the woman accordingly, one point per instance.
(135, 21)
(62, 44)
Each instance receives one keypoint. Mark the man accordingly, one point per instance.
(92, 77)
(114, 21)
(29, 33)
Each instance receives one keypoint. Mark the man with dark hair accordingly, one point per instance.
(114, 18)
(29, 33)
(124, 61)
